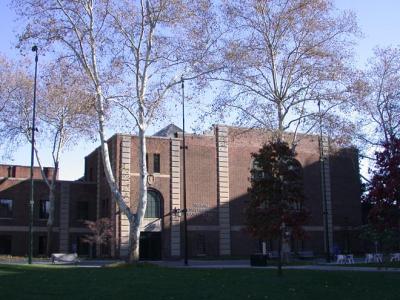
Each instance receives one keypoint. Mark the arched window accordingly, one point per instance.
(153, 209)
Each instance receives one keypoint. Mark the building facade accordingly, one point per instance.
(218, 165)
(75, 202)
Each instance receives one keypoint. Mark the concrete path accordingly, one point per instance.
(245, 264)
(206, 264)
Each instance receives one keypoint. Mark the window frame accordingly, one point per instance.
(153, 212)
(157, 163)
(78, 210)
(47, 209)
(11, 210)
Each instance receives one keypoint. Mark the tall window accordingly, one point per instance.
(6, 207)
(257, 172)
(153, 208)
(82, 210)
(44, 208)
(5, 244)
(42, 245)
(156, 163)
(105, 210)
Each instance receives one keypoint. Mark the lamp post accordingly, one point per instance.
(31, 200)
(323, 187)
(184, 175)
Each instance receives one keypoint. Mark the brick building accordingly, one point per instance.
(218, 165)
(75, 202)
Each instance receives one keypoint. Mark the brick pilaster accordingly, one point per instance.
(64, 217)
(125, 176)
(175, 196)
(223, 190)
(328, 196)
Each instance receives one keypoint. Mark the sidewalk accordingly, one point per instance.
(206, 264)
(245, 264)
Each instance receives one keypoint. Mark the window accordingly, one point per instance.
(153, 205)
(11, 171)
(5, 244)
(156, 163)
(82, 248)
(105, 209)
(42, 245)
(201, 244)
(147, 162)
(91, 174)
(44, 208)
(82, 210)
(256, 170)
(6, 206)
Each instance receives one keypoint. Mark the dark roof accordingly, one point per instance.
(168, 131)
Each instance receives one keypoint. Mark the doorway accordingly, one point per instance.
(150, 246)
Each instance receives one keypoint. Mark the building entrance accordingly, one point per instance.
(150, 246)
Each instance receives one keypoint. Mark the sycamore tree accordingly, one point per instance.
(16, 90)
(377, 97)
(64, 116)
(383, 194)
(133, 53)
(277, 196)
(66, 110)
(283, 57)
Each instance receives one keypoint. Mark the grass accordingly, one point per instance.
(151, 283)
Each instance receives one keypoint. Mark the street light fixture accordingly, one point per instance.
(323, 186)
(31, 201)
(184, 175)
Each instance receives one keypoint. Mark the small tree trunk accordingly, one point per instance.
(91, 250)
(280, 255)
(50, 220)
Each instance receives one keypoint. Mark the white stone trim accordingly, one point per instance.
(175, 179)
(223, 190)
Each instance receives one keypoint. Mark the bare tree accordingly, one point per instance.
(141, 47)
(65, 115)
(67, 112)
(16, 89)
(377, 100)
(282, 58)
(158, 42)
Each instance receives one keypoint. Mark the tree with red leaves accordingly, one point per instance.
(383, 193)
(277, 197)
(100, 233)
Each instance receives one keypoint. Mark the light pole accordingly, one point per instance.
(184, 175)
(323, 187)
(31, 201)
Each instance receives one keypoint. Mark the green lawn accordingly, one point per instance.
(150, 283)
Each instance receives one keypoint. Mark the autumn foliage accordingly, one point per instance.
(100, 232)
(383, 193)
(276, 193)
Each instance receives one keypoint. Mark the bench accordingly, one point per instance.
(305, 254)
(64, 257)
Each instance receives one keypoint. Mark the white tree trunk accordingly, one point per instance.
(142, 203)
(123, 207)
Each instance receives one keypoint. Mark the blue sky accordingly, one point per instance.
(378, 20)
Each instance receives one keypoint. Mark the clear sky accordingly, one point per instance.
(379, 22)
